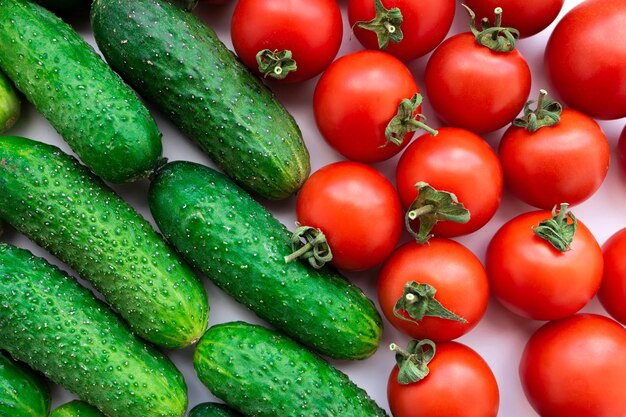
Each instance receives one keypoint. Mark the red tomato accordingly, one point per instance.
(472, 87)
(356, 98)
(457, 275)
(457, 161)
(424, 25)
(460, 383)
(311, 30)
(576, 367)
(621, 150)
(528, 18)
(535, 280)
(358, 210)
(612, 292)
(586, 58)
(543, 168)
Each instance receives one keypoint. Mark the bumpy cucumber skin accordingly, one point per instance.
(55, 201)
(100, 117)
(240, 246)
(10, 105)
(212, 410)
(262, 373)
(50, 322)
(76, 409)
(177, 62)
(22, 393)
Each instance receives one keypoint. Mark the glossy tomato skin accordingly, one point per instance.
(613, 289)
(543, 168)
(425, 24)
(533, 279)
(453, 270)
(586, 63)
(621, 151)
(356, 98)
(311, 30)
(457, 161)
(460, 383)
(529, 18)
(475, 88)
(358, 210)
(576, 367)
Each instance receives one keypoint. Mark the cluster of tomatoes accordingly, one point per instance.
(542, 265)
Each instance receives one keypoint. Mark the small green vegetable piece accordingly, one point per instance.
(22, 392)
(261, 373)
(212, 410)
(496, 37)
(558, 231)
(413, 362)
(418, 301)
(9, 104)
(76, 409)
(276, 64)
(406, 121)
(315, 250)
(547, 113)
(387, 24)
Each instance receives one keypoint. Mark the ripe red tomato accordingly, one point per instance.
(311, 30)
(586, 58)
(460, 383)
(357, 209)
(576, 367)
(621, 150)
(543, 168)
(457, 161)
(356, 98)
(535, 280)
(613, 289)
(528, 18)
(472, 87)
(452, 270)
(424, 25)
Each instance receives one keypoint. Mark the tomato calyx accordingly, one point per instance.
(413, 362)
(418, 301)
(387, 24)
(496, 37)
(315, 250)
(276, 64)
(558, 231)
(547, 113)
(406, 121)
(430, 207)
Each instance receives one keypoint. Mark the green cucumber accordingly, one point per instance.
(22, 392)
(56, 202)
(76, 409)
(9, 104)
(54, 325)
(212, 410)
(240, 246)
(262, 373)
(100, 117)
(174, 60)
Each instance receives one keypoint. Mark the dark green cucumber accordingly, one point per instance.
(212, 410)
(54, 325)
(240, 246)
(22, 392)
(100, 117)
(76, 409)
(9, 104)
(55, 201)
(171, 58)
(262, 373)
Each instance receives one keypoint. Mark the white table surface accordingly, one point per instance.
(499, 337)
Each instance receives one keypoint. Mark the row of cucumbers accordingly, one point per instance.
(56, 326)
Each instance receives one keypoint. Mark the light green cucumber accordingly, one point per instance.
(212, 410)
(22, 392)
(9, 104)
(76, 409)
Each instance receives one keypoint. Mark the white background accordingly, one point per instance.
(499, 337)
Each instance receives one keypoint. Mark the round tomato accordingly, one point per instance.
(472, 87)
(452, 270)
(586, 58)
(621, 150)
(543, 168)
(422, 27)
(527, 18)
(310, 30)
(459, 383)
(356, 208)
(576, 367)
(459, 162)
(613, 289)
(534, 279)
(357, 98)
